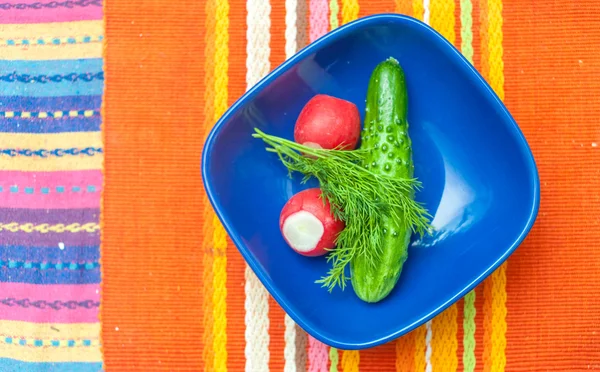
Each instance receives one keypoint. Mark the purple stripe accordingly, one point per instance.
(50, 240)
(16, 103)
(50, 254)
(49, 216)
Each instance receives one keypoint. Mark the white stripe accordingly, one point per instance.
(294, 352)
(257, 298)
(426, 12)
(291, 30)
(428, 350)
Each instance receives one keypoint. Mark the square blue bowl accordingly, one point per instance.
(479, 178)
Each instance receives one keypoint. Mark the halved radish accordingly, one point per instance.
(328, 122)
(307, 224)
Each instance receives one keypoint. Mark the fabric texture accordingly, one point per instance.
(121, 119)
(181, 294)
(51, 157)
(179, 291)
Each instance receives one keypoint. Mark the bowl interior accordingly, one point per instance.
(479, 180)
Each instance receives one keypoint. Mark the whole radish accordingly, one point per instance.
(308, 225)
(328, 122)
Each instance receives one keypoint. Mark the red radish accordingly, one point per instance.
(308, 225)
(328, 122)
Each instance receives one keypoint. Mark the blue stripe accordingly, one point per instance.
(49, 276)
(52, 90)
(51, 254)
(50, 68)
(18, 103)
(11, 365)
(91, 124)
(54, 254)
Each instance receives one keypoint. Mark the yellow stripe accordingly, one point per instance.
(495, 38)
(350, 361)
(350, 10)
(221, 68)
(76, 331)
(50, 142)
(67, 163)
(444, 343)
(30, 353)
(420, 346)
(48, 31)
(494, 358)
(51, 52)
(418, 9)
(208, 259)
(442, 18)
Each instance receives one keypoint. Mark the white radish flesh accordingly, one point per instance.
(303, 231)
(308, 225)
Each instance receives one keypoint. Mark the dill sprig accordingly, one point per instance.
(357, 196)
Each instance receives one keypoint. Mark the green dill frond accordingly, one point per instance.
(357, 196)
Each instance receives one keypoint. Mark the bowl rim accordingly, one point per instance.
(315, 46)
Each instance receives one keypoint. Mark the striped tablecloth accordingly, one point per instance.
(104, 108)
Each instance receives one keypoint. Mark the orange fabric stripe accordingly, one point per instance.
(405, 353)
(152, 283)
(479, 320)
(373, 7)
(484, 66)
(380, 358)
(276, 332)
(235, 261)
(276, 313)
(420, 347)
(553, 279)
(460, 315)
(403, 7)
(457, 24)
(476, 34)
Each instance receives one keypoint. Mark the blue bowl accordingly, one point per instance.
(479, 178)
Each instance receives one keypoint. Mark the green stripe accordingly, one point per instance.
(469, 360)
(466, 30)
(334, 9)
(334, 358)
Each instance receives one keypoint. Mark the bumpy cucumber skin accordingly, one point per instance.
(385, 135)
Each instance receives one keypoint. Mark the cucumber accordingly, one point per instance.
(385, 136)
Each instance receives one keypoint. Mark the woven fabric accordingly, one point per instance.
(51, 156)
(177, 295)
